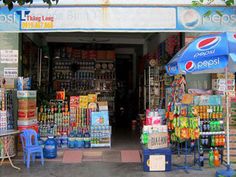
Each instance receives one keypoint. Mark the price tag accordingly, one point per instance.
(209, 111)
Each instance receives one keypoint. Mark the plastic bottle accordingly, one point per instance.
(201, 158)
(216, 140)
(216, 158)
(50, 148)
(212, 140)
(211, 158)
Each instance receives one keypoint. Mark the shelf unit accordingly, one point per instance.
(151, 87)
(77, 75)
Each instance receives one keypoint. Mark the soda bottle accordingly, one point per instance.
(201, 158)
(212, 140)
(216, 158)
(211, 158)
(223, 140)
(220, 140)
(216, 140)
(207, 141)
(218, 126)
(221, 126)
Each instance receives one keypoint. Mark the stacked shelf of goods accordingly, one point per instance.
(45, 65)
(105, 81)
(27, 113)
(7, 120)
(211, 125)
(83, 71)
(232, 131)
(212, 133)
(53, 119)
(152, 87)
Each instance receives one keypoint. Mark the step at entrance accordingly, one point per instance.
(92, 155)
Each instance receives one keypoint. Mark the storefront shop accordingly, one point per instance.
(86, 71)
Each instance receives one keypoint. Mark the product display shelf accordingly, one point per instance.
(151, 87)
(211, 139)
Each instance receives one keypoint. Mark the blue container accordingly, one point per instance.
(64, 141)
(50, 148)
(71, 142)
(87, 143)
(58, 140)
(79, 143)
(163, 151)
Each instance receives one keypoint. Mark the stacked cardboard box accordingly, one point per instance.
(232, 133)
(27, 114)
(221, 85)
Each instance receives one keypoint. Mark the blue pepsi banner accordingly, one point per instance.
(129, 18)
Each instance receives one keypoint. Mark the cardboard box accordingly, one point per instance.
(222, 76)
(150, 159)
(23, 127)
(26, 103)
(103, 105)
(27, 122)
(27, 114)
(27, 94)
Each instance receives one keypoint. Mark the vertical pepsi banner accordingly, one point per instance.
(194, 19)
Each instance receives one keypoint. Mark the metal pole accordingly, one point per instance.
(149, 88)
(227, 117)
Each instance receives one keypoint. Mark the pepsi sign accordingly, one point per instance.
(190, 66)
(208, 43)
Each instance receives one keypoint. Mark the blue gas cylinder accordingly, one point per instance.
(50, 148)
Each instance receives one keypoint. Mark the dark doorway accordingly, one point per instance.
(125, 91)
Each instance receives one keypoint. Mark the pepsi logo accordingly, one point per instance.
(169, 68)
(189, 66)
(234, 36)
(208, 43)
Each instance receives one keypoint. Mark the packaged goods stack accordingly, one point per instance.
(232, 133)
(74, 123)
(7, 120)
(220, 85)
(100, 129)
(80, 72)
(156, 154)
(53, 119)
(27, 114)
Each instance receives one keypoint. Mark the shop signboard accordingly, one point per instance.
(122, 2)
(9, 56)
(158, 140)
(194, 19)
(138, 18)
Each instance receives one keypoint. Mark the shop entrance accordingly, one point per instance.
(110, 65)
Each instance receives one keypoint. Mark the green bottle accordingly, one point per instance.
(212, 140)
(211, 158)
